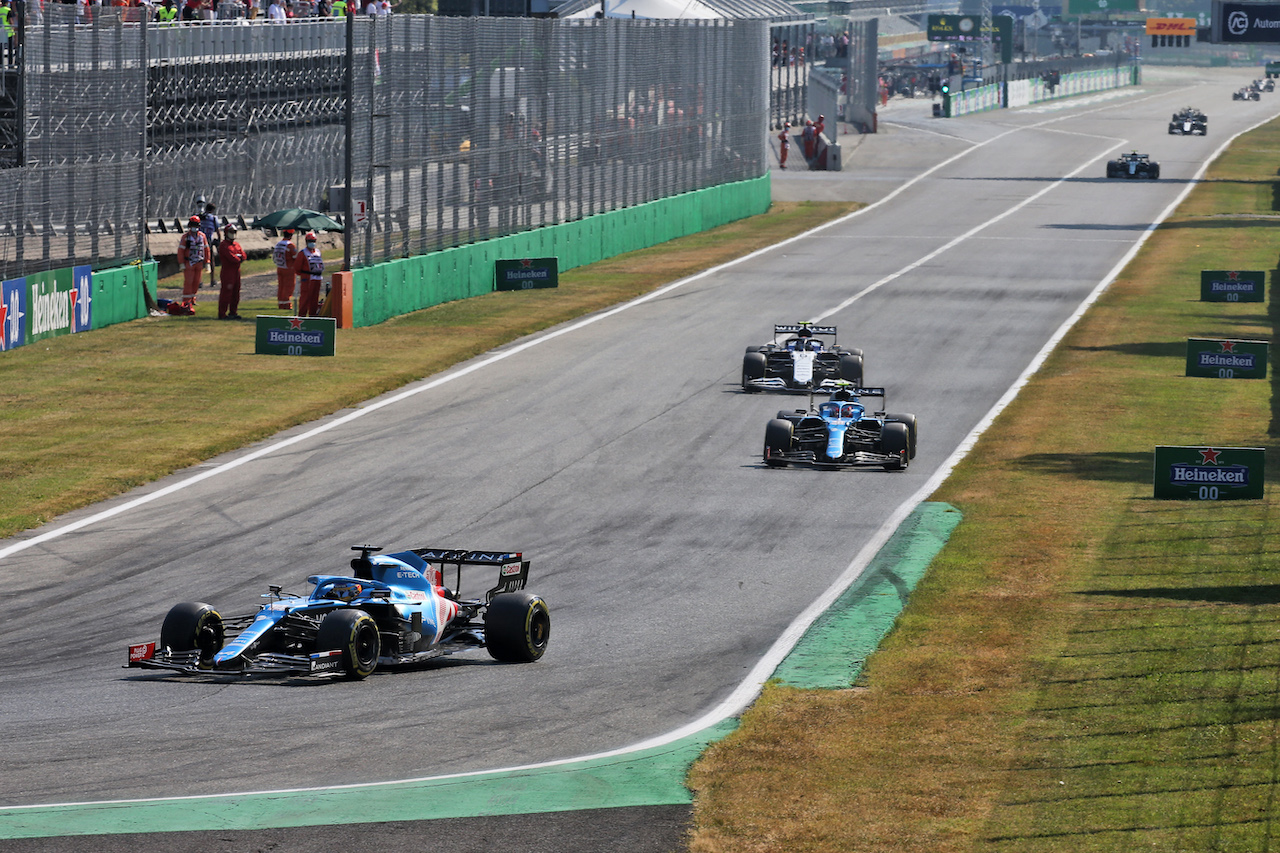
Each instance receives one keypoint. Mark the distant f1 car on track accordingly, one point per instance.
(1133, 165)
(393, 609)
(802, 360)
(841, 433)
(1246, 93)
(1189, 122)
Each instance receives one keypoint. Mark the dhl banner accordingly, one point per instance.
(1171, 27)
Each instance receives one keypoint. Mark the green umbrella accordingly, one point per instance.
(298, 218)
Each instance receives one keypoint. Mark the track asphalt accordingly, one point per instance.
(632, 801)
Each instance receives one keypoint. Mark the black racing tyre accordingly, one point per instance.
(193, 625)
(517, 627)
(754, 365)
(1111, 170)
(910, 421)
(895, 440)
(777, 440)
(1155, 171)
(754, 349)
(355, 633)
(851, 368)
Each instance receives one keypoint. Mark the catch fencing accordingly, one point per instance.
(447, 130)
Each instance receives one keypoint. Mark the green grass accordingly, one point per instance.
(84, 417)
(1083, 668)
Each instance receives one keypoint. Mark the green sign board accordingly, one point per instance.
(1232, 285)
(1094, 7)
(969, 28)
(295, 335)
(1219, 359)
(526, 274)
(1209, 473)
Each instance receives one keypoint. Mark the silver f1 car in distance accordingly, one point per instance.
(393, 609)
(799, 359)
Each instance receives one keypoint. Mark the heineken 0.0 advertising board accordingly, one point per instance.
(526, 274)
(1208, 473)
(1232, 285)
(295, 335)
(1218, 359)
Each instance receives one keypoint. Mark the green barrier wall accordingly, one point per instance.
(398, 287)
(118, 295)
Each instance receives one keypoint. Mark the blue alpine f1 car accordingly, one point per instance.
(841, 433)
(392, 609)
(799, 359)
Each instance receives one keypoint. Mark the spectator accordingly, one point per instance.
(232, 255)
(6, 31)
(275, 12)
(339, 8)
(193, 254)
(285, 255)
(167, 13)
(372, 9)
(209, 225)
(310, 268)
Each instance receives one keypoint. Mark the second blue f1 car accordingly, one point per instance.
(841, 433)
(392, 609)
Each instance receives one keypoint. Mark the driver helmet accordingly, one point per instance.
(848, 410)
(343, 591)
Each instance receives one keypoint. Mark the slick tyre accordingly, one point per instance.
(777, 441)
(910, 421)
(851, 368)
(355, 634)
(1155, 172)
(517, 627)
(193, 625)
(754, 365)
(895, 441)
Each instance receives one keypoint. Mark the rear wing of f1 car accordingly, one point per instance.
(846, 388)
(513, 570)
(796, 328)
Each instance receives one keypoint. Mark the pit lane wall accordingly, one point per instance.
(64, 301)
(386, 290)
(1021, 93)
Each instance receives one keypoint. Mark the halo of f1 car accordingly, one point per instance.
(1189, 121)
(798, 359)
(1133, 165)
(393, 609)
(841, 433)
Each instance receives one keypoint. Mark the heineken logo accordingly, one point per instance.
(1242, 361)
(295, 335)
(288, 336)
(1227, 359)
(526, 273)
(1209, 473)
(1232, 285)
(1181, 474)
